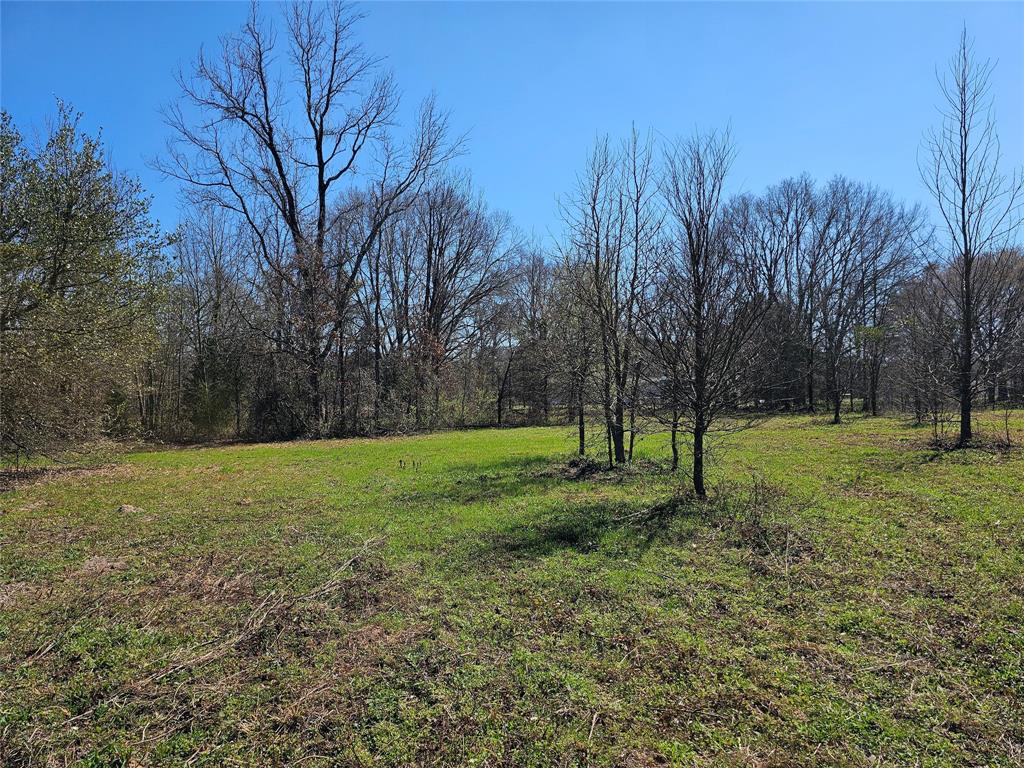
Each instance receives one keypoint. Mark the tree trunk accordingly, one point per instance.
(581, 425)
(966, 344)
(618, 433)
(609, 412)
(965, 407)
(836, 392)
(545, 399)
(873, 382)
(316, 400)
(810, 376)
(675, 440)
(698, 460)
(503, 387)
(378, 393)
(966, 358)
(635, 395)
(238, 410)
(342, 384)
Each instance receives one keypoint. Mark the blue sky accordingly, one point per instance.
(824, 88)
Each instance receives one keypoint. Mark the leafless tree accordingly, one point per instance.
(979, 206)
(215, 315)
(788, 210)
(426, 287)
(533, 300)
(864, 243)
(274, 139)
(575, 338)
(775, 229)
(712, 295)
(614, 222)
(464, 259)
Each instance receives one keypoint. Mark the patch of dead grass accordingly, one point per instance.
(98, 565)
(15, 592)
(15, 480)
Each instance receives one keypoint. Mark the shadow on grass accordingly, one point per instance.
(555, 525)
(518, 477)
(588, 527)
(482, 482)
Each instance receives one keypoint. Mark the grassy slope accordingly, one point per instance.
(514, 615)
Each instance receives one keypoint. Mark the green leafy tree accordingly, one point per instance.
(81, 268)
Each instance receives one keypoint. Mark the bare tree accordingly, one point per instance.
(575, 336)
(426, 289)
(776, 228)
(463, 261)
(790, 208)
(864, 242)
(978, 203)
(274, 154)
(533, 301)
(614, 222)
(208, 256)
(712, 295)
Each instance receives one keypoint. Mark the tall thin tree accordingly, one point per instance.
(979, 204)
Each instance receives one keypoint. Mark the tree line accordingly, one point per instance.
(333, 275)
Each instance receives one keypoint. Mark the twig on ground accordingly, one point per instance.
(273, 604)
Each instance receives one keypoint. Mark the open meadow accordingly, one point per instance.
(511, 385)
(848, 596)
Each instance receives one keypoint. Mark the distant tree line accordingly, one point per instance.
(331, 277)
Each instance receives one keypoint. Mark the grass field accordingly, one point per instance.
(477, 598)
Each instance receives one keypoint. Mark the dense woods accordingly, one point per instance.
(337, 274)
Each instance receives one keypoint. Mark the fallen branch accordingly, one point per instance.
(273, 605)
(902, 663)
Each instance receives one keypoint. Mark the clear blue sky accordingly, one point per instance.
(823, 88)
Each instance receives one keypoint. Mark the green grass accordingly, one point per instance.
(508, 609)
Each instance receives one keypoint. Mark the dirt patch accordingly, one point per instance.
(98, 565)
(636, 758)
(31, 506)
